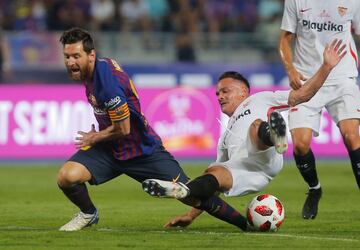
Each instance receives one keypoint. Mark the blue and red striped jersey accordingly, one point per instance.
(114, 98)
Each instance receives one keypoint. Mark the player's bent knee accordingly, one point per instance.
(301, 147)
(223, 176)
(254, 127)
(301, 139)
(351, 141)
(65, 178)
(71, 174)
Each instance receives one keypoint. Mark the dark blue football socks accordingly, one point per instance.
(79, 195)
(218, 208)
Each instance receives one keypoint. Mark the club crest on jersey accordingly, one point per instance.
(246, 104)
(323, 13)
(342, 10)
(120, 111)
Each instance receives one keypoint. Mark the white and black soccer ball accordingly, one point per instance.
(265, 213)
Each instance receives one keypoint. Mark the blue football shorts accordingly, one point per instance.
(103, 166)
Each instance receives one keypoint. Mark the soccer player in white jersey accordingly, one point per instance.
(250, 150)
(312, 24)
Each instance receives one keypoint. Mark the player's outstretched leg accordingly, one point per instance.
(278, 135)
(220, 209)
(80, 221)
(310, 207)
(167, 189)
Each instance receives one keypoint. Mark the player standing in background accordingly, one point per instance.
(125, 142)
(4, 58)
(313, 24)
(249, 151)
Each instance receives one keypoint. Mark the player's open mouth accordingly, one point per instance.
(75, 72)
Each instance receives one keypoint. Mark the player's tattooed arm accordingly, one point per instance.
(333, 53)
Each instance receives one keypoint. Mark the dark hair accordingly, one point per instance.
(75, 35)
(235, 75)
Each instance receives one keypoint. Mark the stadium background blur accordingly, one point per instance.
(161, 44)
(140, 32)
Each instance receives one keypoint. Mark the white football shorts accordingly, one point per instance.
(252, 173)
(342, 101)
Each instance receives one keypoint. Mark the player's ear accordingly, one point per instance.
(244, 90)
(92, 55)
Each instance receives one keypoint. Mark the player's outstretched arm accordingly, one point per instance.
(333, 53)
(184, 220)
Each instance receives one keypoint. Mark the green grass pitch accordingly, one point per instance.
(32, 209)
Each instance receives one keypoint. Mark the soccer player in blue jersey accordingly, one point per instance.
(125, 142)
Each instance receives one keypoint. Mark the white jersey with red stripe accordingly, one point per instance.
(251, 168)
(316, 23)
(256, 106)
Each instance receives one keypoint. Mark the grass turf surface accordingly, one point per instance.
(33, 208)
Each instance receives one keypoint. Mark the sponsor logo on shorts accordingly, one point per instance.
(85, 148)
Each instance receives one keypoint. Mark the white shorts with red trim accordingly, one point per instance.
(253, 172)
(342, 101)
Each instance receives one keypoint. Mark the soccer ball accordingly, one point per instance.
(265, 213)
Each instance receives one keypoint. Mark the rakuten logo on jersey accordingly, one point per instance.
(113, 102)
(322, 26)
